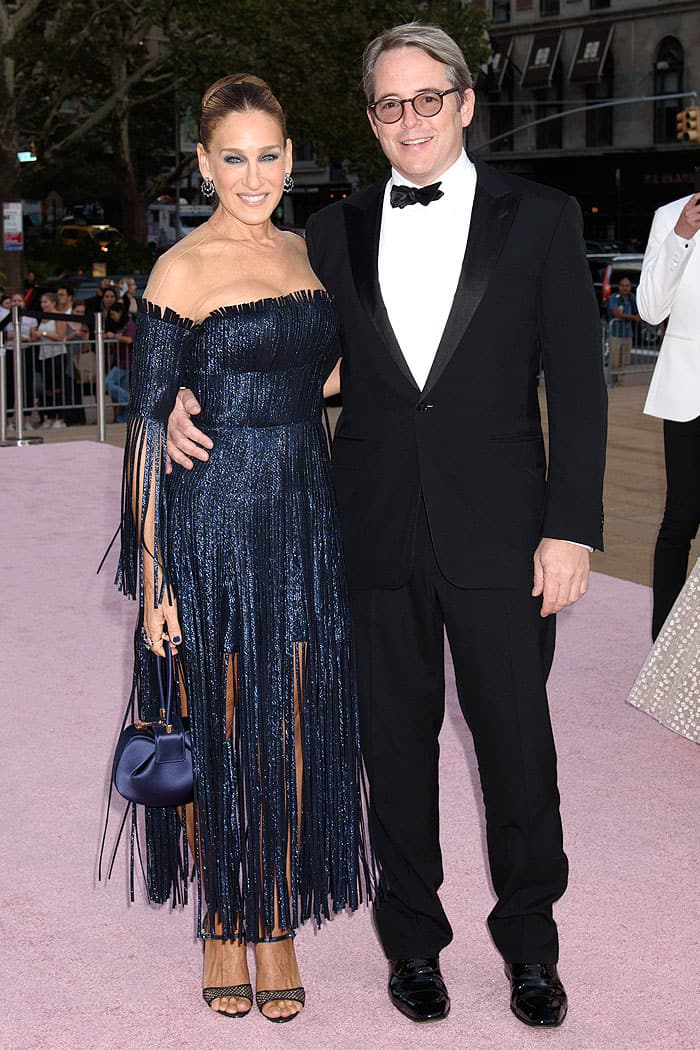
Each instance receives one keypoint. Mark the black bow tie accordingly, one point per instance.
(400, 196)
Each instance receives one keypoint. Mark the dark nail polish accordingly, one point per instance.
(176, 639)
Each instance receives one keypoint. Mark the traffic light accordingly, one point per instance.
(688, 124)
(693, 124)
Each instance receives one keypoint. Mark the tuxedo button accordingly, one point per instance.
(423, 406)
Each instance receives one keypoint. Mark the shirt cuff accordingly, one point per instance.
(688, 243)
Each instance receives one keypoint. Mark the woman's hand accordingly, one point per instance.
(161, 623)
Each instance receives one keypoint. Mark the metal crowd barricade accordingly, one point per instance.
(20, 437)
(629, 348)
(100, 379)
(48, 386)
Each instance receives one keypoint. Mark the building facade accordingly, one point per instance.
(567, 58)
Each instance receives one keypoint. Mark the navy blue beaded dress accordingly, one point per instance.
(249, 544)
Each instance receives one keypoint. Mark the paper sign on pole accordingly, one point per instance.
(12, 237)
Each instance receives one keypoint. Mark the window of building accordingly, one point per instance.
(599, 5)
(548, 103)
(668, 79)
(501, 10)
(502, 115)
(599, 122)
(549, 7)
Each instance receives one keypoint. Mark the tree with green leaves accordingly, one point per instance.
(311, 54)
(14, 20)
(97, 89)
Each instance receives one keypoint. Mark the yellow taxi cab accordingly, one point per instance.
(75, 236)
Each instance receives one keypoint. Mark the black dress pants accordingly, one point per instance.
(501, 650)
(681, 516)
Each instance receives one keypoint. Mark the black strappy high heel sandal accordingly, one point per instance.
(297, 995)
(240, 991)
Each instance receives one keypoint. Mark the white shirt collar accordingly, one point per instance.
(408, 237)
(457, 177)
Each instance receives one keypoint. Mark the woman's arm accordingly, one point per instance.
(160, 350)
(159, 608)
(57, 336)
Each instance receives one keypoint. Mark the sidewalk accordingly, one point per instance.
(635, 486)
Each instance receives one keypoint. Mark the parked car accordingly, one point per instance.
(606, 271)
(621, 266)
(608, 247)
(76, 236)
(85, 286)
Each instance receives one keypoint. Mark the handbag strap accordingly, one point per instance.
(166, 694)
(166, 688)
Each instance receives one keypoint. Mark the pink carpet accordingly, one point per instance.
(83, 969)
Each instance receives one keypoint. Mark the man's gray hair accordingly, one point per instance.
(429, 38)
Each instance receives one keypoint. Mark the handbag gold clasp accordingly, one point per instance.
(167, 726)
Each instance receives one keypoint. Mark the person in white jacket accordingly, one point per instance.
(669, 287)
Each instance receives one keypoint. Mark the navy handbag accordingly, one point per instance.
(153, 760)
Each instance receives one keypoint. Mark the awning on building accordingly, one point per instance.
(592, 50)
(542, 59)
(500, 59)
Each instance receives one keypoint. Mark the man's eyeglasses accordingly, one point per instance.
(425, 104)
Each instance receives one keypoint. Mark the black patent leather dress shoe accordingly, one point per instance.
(537, 996)
(417, 989)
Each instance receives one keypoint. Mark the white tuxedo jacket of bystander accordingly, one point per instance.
(669, 287)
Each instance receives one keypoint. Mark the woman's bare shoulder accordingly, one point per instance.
(175, 279)
(296, 243)
(296, 247)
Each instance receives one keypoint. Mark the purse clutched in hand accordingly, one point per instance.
(153, 760)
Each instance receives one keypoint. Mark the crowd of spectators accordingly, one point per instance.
(57, 331)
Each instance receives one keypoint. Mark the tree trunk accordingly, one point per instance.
(133, 203)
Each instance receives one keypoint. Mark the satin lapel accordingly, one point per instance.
(492, 216)
(362, 227)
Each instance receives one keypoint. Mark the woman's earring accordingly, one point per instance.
(288, 184)
(208, 188)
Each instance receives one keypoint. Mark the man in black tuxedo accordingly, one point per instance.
(451, 280)
(445, 500)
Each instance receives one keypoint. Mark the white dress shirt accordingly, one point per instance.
(421, 250)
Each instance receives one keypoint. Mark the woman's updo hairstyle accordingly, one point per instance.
(237, 93)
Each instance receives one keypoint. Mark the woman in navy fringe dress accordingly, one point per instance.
(238, 564)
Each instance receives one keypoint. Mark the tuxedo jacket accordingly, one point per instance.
(668, 288)
(469, 444)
